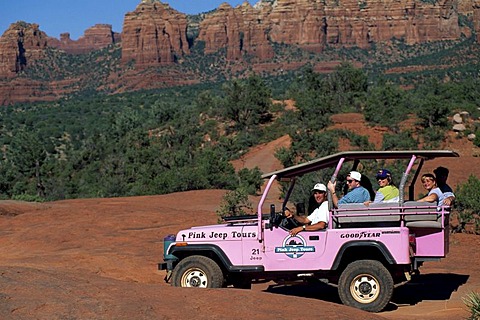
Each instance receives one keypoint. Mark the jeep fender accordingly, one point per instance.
(377, 246)
(214, 252)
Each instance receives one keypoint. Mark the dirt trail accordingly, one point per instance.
(97, 258)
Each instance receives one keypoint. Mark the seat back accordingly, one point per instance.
(359, 215)
(422, 215)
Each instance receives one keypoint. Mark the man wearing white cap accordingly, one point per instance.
(356, 193)
(318, 219)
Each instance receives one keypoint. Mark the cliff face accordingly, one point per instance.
(97, 37)
(154, 34)
(476, 18)
(239, 30)
(315, 24)
(20, 44)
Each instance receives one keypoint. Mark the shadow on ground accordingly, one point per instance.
(311, 289)
(436, 286)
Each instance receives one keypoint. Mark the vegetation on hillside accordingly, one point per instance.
(177, 139)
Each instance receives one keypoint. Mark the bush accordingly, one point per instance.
(472, 301)
(250, 180)
(28, 198)
(468, 202)
(401, 141)
(386, 106)
(234, 203)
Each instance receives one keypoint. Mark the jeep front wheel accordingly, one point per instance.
(366, 285)
(198, 272)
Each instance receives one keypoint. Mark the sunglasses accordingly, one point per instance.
(350, 181)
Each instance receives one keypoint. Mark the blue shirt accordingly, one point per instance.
(357, 195)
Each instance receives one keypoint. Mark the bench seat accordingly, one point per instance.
(374, 215)
(415, 215)
(422, 215)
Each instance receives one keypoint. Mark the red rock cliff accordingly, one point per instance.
(476, 18)
(154, 34)
(239, 30)
(315, 24)
(20, 43)
(97, 37)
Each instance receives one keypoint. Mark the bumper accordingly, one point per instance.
(162, 266)
(166, 265)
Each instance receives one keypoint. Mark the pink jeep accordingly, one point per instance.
(365, 251)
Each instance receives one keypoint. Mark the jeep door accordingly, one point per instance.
(303, 251)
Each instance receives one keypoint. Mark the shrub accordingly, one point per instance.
(234, 203)
(472, 301)
(28, 197)
(250, 180)
(468, 202)
(401, 141)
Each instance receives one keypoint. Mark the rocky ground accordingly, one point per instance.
(97, 259)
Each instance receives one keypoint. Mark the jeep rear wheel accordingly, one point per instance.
(198, 272)
(365, 285)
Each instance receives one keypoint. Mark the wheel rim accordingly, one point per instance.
(365, 288)
(194, 278)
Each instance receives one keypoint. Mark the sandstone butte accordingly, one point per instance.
(155, 35)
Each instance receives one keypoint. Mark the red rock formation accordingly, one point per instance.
(297, 22)
(239, 30)
(154, 34)
(27, 90)
(20, 43)
(97, 37)
(314, 24)
(476, 18)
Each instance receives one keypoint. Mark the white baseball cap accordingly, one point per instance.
(356, 175)
(320, 187)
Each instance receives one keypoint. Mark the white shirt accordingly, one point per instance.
(319, 214)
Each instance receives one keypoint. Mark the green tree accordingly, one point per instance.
(467, 201)
(348, 87)
(250, 180)
(247, 103)
(312, 101)
(401, 141)
(385, 106)
(234, 203)
(28, 156)
(431, 103)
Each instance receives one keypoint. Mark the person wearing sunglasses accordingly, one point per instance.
(387, 191)
(356, 193)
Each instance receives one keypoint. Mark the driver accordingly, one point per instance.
(318, 219)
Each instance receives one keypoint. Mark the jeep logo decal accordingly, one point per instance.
(294, 247)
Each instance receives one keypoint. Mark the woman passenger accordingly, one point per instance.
(387, 191)
(434, 193)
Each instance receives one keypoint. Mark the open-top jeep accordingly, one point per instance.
(365, 250)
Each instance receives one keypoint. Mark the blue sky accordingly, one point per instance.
(58, 16)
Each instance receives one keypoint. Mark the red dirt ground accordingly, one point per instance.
(97, 259)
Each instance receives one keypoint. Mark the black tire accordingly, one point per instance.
(198, 272)
(366, 285)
